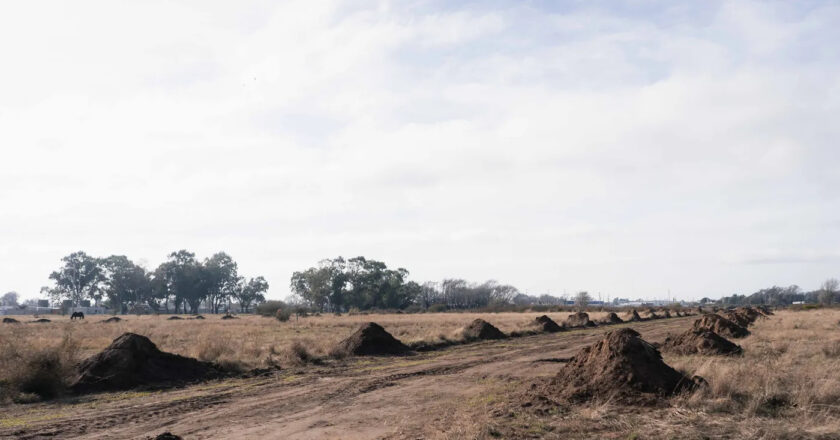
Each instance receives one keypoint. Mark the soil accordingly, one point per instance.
(113, 319)
(765, 310)
(721, 326)
(612, 318)
(168, 436)
(42, 320)
(355, 398)
(198, 317)
(698, 341)
(579, 319)
(228, 317)
(482, 330)
(10, 321)
(547, 324)
(621, 367)
(370, 339)
(634, 317)
(174, 318)
(651, 314)
(666, 314)
(134, 361)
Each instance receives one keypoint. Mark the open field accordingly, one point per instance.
(784, 386)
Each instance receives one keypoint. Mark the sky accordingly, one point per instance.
(627, 148)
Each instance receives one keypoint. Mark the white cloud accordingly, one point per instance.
(608, 148)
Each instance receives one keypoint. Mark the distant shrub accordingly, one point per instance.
(437, 308)
(414, 308)
(270, 308)
(283, 315)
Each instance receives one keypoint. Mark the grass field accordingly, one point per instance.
(785, 385)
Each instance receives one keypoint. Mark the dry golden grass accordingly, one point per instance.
(785, 386)
(249, 341)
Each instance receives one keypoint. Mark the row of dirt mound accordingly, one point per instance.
(546, 324)
(622, 367)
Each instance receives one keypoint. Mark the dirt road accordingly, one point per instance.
(439, 394)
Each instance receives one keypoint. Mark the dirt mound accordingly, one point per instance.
(579, 319)
(749, 313)
(634, 316)
(228, 316)
(132, 361)
(10, 321)
(651, 314)
(666, 313)
(612, 318)
(623, 367)
(765, 310)
(42, 320)
(698, 341)
(721, 326)
(546, 324)
(678, 314)
(198, 317)
(481, 329)
(113, 319)
(168, 436)
(174, 318)
(370, 339)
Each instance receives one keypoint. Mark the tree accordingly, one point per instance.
(79, 278)
(125, 283)
(221, 279)
(183, 278)
(314, 286)
(582, 300)
(251, 292)
(9, 299)
(828, 291)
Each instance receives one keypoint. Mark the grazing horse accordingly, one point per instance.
(79, 315)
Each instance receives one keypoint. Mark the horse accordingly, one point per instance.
(79, 315)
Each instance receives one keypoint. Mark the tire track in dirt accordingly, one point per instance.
(272, 406)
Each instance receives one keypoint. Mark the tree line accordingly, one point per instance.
(339, 284)
(827, 294)
(182, 282)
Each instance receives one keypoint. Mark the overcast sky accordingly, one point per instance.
(627, 148)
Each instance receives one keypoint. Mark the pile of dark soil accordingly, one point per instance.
(134, 361)
(228, 316)
(113, 319)
(634, 317)
(666, 313)
(678, 314)
(168, 436)
(579, 319)
(698, 341)
(612, 318)
(651, 314)
(546, 324)
(749, 313)
(10, 321)
(480, 330)
(622, 367)
(174, 318)
(736, 317)
(198, 317)
(765, 310)
(42, 320)
(370, 339)
(721, 326)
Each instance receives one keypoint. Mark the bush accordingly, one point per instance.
(437, 308)
(270, 308)
(283, 315)
(414, 308)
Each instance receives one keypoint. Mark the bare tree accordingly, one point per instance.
(828, 291)
(582, 300)
(9, 299)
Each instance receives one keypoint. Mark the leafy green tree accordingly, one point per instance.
(221, 279)
(183, 278)
(251, 292)
(79, 278)
(125, 283)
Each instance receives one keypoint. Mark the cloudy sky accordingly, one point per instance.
(627, 148)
